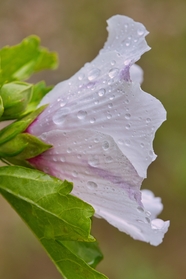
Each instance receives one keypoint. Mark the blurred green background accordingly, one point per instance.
(76, 30)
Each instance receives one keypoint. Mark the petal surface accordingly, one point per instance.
(102, 97)
(104, 178)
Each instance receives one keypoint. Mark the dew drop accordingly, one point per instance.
(62, 159)
(147, 220)
(43, 136)
(101, 92)
(127, 116)
(110, 105)
(140, 209)
(91, 185)
(113, 62)
(93, 74)
(127, 142)
(79, 156)
(105, 145)
(74, 173)
(113, 72)
(92, 120)
(109, 116)
(81, 76)
(60, 115)
(93, 161)
(127, 126)
(148, 214)
(142, 145)
(140, 32)
(121, 141)
(148, 120)
(96, 140)
(108, 159)
(82, 114)
(69, 150)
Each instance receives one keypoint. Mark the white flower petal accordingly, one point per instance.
(103, 177)
(125, 45)
(102, 98)
(121, 110)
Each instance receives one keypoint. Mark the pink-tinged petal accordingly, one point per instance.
(103, 177)
(101, 97)
(121, 110)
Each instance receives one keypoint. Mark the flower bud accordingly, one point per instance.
(15, 97)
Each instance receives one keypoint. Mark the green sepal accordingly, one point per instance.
(16, 96)
(39, 91)
(23, 146)
(19, 126)
(1, 107)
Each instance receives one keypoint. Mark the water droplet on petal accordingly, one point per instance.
(101, 92)
(148, 120)
(142, 145)
(92, 120)
(60, 115)
(140, 32)
(127, 126)
(110, 105)
(81, 76)
(96, 140)
(113, 72)
(69, 150)
(108, 159)
(93, 161)
(140, 209)
(93, 74)
(109, 116)
(105, 145)
(148, 214)
(121, 141)
(127, 142)
(127, 116)
(91, 185)
(113, 62)
(75, 173)
(82, 114)
(62, 159)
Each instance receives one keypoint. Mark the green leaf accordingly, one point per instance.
(21, 61)
(54, 216)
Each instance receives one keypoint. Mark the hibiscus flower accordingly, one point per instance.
(102, 125)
